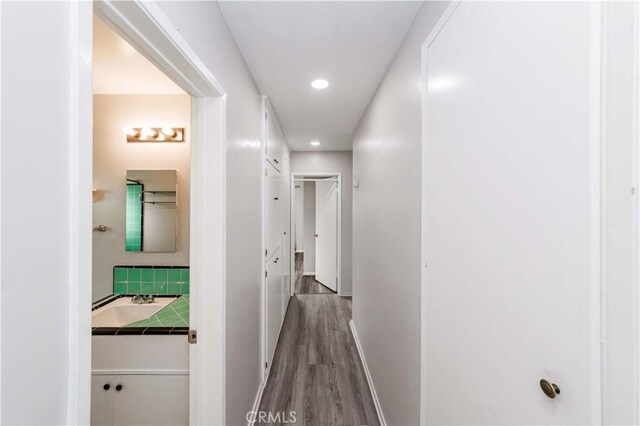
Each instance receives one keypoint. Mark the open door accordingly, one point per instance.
(327, 233)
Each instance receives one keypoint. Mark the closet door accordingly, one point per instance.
(274, 210)
(274, 302)
(513, 215)
(275, 140)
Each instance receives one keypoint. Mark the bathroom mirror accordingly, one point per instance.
(151, 211)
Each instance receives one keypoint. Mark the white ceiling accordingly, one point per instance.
(288, 44)
(119, 69)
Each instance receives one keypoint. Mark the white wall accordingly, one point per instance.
(309, 230)
(620, 384)
(35, 211)
(202, 25)
(113, 156)
(333, 162)
(386, 234)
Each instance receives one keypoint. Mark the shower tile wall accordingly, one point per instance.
(133, 231)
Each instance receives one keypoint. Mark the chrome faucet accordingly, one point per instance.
(140, 299)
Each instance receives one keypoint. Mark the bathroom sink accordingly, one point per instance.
(121, 312)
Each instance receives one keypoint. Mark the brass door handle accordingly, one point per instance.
(550, 389)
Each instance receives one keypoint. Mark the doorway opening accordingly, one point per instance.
(149, 33)
(316, 210)
(141, 262)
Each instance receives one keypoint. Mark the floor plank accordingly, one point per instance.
(316, 371)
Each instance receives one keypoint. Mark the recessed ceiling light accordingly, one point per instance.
(320, 84)
(315, 143)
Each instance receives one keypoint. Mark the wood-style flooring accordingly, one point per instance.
(307, 284)
(316, 371)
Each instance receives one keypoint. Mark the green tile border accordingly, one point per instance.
(160, 280)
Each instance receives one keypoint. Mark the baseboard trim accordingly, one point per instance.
(372, 388)
(346, 294)
(256, 404)
(308, 273)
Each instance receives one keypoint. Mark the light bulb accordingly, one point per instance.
(168, 131)
(130, 131)
(148, 132)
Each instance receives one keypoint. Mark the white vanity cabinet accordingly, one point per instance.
(140, 380)
(137, 399)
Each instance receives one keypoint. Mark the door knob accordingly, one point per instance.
(118, 388)
(315, 235)
(106, 386)
(549, 389)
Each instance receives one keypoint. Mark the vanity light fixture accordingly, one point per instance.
(154, 134)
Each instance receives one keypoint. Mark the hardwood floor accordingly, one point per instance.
(316, 371)
(307, 284)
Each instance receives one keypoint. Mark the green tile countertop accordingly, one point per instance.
(175, 314)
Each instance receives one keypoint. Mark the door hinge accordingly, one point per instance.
(266, 364)
(265, 274)
(192, 337)
(265, 116)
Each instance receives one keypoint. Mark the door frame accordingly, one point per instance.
(595, 147)
(146, 27)
(292, 254)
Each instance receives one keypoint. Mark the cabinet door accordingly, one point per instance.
(274, 210)
(275, 140)
(274, 302)
(286, 227)
(102, 400)
(151, 400)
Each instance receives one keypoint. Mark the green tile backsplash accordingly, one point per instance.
(150, 280)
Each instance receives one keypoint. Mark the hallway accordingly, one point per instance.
(379, 212)
(316, 370)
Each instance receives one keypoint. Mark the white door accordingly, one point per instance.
(273, 302)
(327, 233)
(512, 214)
(274, 210)
(275, 139)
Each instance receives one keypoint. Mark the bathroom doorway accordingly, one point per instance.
(141, 264)
(316, 233)
(149, 33)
